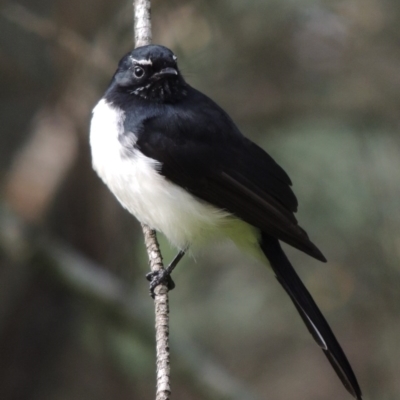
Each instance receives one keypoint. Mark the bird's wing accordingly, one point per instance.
(206, 154)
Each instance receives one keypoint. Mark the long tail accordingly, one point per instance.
(310, 313)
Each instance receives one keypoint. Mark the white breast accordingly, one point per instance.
(145, 193)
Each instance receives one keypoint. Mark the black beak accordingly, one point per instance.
(165, 72)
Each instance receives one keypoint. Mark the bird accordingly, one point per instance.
(177, 162)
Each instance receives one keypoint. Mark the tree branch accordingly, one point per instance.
(142, 25)
(142, 35)
(162, 316)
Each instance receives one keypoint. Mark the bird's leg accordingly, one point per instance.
(175, 261)
(164, 275)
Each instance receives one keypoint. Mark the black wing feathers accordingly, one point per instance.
(204, 152)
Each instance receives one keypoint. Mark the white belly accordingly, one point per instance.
(150, 197)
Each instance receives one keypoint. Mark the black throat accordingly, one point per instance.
(162, 91)
(170, 90)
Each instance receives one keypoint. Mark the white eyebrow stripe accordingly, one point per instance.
(142, 62)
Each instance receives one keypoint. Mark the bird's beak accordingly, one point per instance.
(165, 72)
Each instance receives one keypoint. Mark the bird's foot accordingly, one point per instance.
(158, 277)
(164, 275)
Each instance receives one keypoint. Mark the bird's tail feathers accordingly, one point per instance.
(310, 313)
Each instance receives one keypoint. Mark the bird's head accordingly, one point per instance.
(150, 72)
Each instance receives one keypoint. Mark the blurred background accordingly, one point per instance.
(317, 84)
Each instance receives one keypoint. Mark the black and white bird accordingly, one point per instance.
(178, 163)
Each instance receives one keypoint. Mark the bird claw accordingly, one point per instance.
(158, 277)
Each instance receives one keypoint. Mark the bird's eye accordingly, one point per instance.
(139, 72)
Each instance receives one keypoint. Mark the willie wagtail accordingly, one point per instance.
(178, 163)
